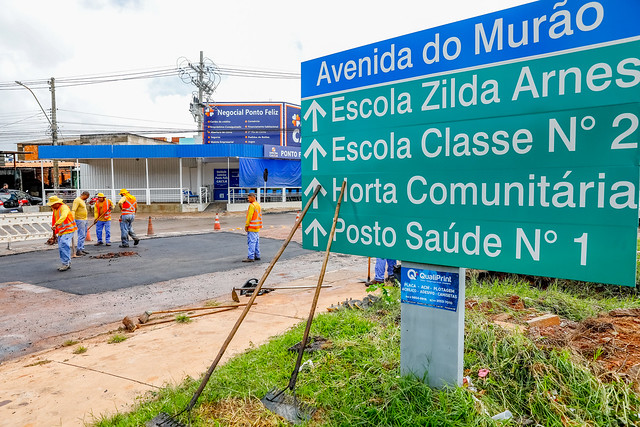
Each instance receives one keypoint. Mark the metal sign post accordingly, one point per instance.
(432, 323)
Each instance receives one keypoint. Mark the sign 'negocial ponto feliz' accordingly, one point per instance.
(506, 142)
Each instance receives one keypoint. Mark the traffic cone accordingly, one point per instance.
(88, 238)
(150, 229)
(216, 226)
(298, 219)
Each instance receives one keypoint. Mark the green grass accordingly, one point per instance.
(357, 381)
(69, 343)
(80, 349)
(183, 318)
(572, 300)
(117, 338)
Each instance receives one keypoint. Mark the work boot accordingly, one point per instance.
(248, 260)
(107, 244)
(64, 267)
(79, 253)
(99, 243)
(123, 246)
(135, 242)
(257, 259)
(85, 252)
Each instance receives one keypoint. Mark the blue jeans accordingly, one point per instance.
(106, 225)
(126, 229)
(82, 233)
(380, 265)
(253, 241)
(64, 247)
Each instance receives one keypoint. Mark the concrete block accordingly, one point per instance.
(544, 321)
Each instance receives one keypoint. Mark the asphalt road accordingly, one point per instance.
(155, 260)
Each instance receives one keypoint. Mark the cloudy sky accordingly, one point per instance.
(93, 39)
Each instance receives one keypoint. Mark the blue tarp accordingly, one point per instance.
(282, 173)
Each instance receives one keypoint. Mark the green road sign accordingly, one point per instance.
(528, 165)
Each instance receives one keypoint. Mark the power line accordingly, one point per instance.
(231, 71)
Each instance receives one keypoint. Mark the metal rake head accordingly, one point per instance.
(164, 420)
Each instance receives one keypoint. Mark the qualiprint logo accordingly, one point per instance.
(295, 120)
(412, 274)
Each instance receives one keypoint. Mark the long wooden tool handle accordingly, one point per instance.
(95, 221)
(278, 287)
(305, 337)
(197, 308)
(160, 322)
(235, 328)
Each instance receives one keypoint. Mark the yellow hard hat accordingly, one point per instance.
(123, 191)
(53, 200)
(100, 195)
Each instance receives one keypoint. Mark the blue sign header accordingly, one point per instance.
(537, 28)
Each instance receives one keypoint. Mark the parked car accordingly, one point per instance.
(25, 198)
(9, 203)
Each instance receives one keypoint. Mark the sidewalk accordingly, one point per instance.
(59, 388)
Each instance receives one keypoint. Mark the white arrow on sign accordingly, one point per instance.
(315, 227)
(314, 149)
(315, 108)
(312, 186)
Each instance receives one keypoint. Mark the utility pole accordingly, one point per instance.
(54, 133)
(200, 122)
(205, 76)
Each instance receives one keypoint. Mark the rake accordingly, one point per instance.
(166, 420)
(278, 402)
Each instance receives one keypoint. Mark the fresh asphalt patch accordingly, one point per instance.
(155, 260)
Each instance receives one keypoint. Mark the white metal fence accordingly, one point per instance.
(268, 194)
(24, 226)
(143, 195)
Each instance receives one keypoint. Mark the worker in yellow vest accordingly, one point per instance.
(63, 225)
(252, 226)
(79, 210)
(102, 213)
(128, 207)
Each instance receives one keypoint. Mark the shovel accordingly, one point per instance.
(276, 401)
(249, 291)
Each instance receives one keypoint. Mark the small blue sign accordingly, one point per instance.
(279, 152)
(221, 182)
(438, 289)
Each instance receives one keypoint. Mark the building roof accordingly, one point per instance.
(149, 151)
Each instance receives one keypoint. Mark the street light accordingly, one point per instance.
(54, 138)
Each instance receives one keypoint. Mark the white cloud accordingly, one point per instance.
(40, 39)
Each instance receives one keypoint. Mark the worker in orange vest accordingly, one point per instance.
(63, 225)
(252, 227)
(102, 213)
(128, 207)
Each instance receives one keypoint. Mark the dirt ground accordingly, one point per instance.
(611, 340)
